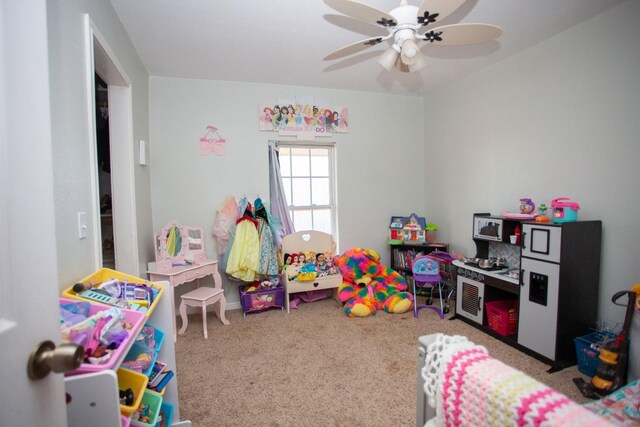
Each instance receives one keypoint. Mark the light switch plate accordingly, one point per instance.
(143, 159)
(82, 225)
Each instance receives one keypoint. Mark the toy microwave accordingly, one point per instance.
(564, 210)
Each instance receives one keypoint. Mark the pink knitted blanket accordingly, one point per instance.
(474, 389)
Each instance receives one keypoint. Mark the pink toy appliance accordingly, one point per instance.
(564, 210)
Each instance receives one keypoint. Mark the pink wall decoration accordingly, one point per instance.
(212, 142)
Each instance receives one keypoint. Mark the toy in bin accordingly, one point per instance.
(564, 210)
(128, 293)
(111, 287)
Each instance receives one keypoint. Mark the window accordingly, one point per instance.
(308, 180)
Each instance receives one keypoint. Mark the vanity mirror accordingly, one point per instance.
(178, 245)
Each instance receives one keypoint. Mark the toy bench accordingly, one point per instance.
(301, 242)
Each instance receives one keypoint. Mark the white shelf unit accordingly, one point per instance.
(94, 396)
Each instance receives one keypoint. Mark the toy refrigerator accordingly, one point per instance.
(560, 269)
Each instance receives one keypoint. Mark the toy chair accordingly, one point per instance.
(202, 297)
(426, 274)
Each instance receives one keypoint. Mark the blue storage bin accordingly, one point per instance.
(166, 412)
(588, 350)
(158, 336)
(138, 348)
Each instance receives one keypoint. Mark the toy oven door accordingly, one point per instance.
(469, 299)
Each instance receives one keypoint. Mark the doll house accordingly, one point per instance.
(412, 228)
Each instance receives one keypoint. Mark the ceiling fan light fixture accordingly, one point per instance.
(410, 53)
(389, 57)
(418, 65)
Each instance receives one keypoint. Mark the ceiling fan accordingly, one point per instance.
(406, 25)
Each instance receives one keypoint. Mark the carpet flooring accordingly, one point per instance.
(317, 367)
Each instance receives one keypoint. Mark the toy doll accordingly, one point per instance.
(294, 266)
(287, 263)
(321, 265)
(308, 271)
(331, 268)
(301, 259)
(310, 256)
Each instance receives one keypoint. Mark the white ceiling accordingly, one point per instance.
(285, 41)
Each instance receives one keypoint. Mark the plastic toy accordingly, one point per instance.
(410, 228)
(527, 206)
(518, 233)
(432, 232)
(543, 213)
(564, 210)
(526, 212)
(614, 356)
(368, 285)
(126, 397)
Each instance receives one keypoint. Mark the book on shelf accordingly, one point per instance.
(404, 258)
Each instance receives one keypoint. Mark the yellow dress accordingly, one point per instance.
(244, 257)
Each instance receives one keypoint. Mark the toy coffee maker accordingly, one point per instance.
(564, 210)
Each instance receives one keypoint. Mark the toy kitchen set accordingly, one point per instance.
(534, 281)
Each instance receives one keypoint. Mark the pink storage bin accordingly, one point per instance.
(125, 421)
(134, 318)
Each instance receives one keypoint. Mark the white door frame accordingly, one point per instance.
(103, 61)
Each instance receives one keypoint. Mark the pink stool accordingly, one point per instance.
(202, 297)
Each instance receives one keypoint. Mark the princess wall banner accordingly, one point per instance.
(299, 116)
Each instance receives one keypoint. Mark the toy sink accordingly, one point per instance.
(564, 210)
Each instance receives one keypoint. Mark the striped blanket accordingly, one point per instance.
(467, 387)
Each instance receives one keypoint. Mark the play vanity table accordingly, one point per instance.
(180, 258)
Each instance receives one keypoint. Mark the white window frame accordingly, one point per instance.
(332, 206)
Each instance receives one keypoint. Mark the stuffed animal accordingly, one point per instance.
(368, 285)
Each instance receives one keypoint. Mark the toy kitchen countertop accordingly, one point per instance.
(506, 278)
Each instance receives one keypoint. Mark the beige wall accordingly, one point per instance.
(558, 120)
(72, 134)
(379, 162)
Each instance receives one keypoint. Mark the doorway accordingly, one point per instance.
(121, 227)
(103, 150)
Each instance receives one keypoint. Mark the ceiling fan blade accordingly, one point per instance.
(462, 34)
(355, 47)
(433, 11)
(363, 12)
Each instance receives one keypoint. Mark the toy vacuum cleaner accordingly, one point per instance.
(614, 357)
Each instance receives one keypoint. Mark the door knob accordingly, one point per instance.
(46, 358)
